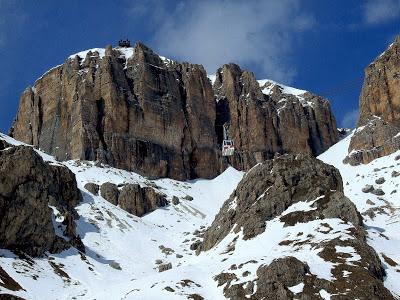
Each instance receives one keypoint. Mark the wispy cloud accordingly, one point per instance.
(350, 119)
(261, 33)
(380, 11)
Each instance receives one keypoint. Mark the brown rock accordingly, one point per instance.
(139, 201)
(110, 192)
(263, 125)
(379, 122)
(28, 185)
(139, 114)
(92, 188)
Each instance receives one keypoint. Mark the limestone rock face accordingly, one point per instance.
(379, 122)
(266, 118)
(28, 186)
(126, 107)
(132, 109)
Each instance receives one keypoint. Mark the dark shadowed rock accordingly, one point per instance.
(175, 200)
(140, 200)
(379, 121)
(271, 187)
(92, 188)
(110, 192)
(28, 186)
(164, 267)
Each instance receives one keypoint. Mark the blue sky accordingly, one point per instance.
(321, 46)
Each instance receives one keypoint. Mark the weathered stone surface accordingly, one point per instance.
(175, 200)
(270, 188)
(142, 113)
(140, 200)
(379, 122)
(262, 125)
(110, 192)
(159, 117)
(92, 188)
(28, 185)
(264, 193)
(164, 267)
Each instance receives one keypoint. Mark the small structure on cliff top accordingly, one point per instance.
(124, 43)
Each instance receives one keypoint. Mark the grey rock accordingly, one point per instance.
(93, 188)
(395, 174)
(368, 188)
(378, 192)
(175, 200)
(109, 191)
(380, 180)
(164, 267)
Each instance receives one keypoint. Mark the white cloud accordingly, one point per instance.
(350, 119)
(380, 11)
(213, 33)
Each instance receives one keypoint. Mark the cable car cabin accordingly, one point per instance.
(228, 148)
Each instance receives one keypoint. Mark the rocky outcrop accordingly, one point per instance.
(28, 186)
(378, 127)
(267, 192)
(126, 107)
(133, 198)
(270, 188)
(267, 118)
(135, 110)
(140, 200)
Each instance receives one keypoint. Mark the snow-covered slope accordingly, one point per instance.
(123, 252)
(381, 214)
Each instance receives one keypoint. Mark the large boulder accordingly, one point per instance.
(378, 127)
(28, 186)
(140, 200)
(110, 192)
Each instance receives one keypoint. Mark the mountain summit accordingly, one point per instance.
(133, 109)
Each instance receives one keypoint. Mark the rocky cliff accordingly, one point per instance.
(378, 127)
(267, 118)
(132, 109)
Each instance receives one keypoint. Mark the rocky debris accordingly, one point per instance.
(188, 198)
(110, 192)
(164, 267)
(270, 188)
(395, 174)
(138, 113)
(378, 192)
(379, 121)
(279, 122)
(160, 118)
(368, 188)
(93, 188)
(380, 180)
(140, 200)
(195, 245)
(28, 187)
(115, 265)
(175, 200)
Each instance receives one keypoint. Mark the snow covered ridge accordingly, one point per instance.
(124, 253)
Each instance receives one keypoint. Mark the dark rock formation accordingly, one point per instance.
(110, 192)
(270, 188)
(133, 198)
(379, 123)
(142, 113)
(28, 185)
(264, 193)
(263, 124)
(140, 200)
(148, 114)
(92, 188)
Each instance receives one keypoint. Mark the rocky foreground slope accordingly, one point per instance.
(314, 244)
(134, 110)
(378, 127)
